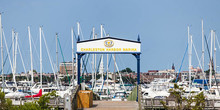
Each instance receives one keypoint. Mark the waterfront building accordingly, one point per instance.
(68, 69)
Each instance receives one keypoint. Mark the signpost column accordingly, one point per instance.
(78, 68)
(137, 56)
(138, 73)
(79, 56)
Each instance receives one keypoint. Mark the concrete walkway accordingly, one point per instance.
(113, 105)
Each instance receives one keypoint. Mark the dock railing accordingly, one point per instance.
(152, 103)
(74, 96)
(55, 102)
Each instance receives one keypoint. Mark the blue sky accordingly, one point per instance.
(161, 24)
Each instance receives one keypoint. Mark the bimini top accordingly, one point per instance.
(109, 45)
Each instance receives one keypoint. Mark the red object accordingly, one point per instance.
(37, 95)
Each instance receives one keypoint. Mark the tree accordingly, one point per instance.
(45, 99)
(28, 106)
(9, 76)
(34, 71)
(128, 80)
(208, 71)
(88, 78)
(177, 93)
(5, 104)
(128, 70)
(200, 101)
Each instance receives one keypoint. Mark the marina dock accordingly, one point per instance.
(113, 105)
(109, 55)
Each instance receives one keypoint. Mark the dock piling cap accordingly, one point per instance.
(85, 91)
(84, 99)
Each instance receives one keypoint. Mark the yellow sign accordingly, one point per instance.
(108, 49)
(108, 45)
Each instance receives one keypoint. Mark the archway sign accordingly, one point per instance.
(109, 45)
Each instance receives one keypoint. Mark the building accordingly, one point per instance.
(66, 67)
(195, 73)
(152, 74)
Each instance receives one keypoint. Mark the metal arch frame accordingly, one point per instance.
(136, 54)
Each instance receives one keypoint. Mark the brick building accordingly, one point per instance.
(68, 67)
(151, 74)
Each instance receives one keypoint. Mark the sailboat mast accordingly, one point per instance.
(214, 54)
(78, 26)
(7, 50)
(13, 50)
(101, 66)
(95, 65)
(211, 62)
(2, 51)
(76, 67)
(57, 54)
(15, 59)
(93, 58)
(32, 74)
(40, 58)
(72, 56)
(203, 49)
(114, 73)
(203, 54)
(107, 75)
(190, 56)
(77, 56)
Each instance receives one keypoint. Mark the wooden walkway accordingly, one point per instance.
(113, 105)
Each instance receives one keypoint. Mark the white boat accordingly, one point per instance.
(158, 88)
(150, 93)
(16, 94)
(119, 96)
